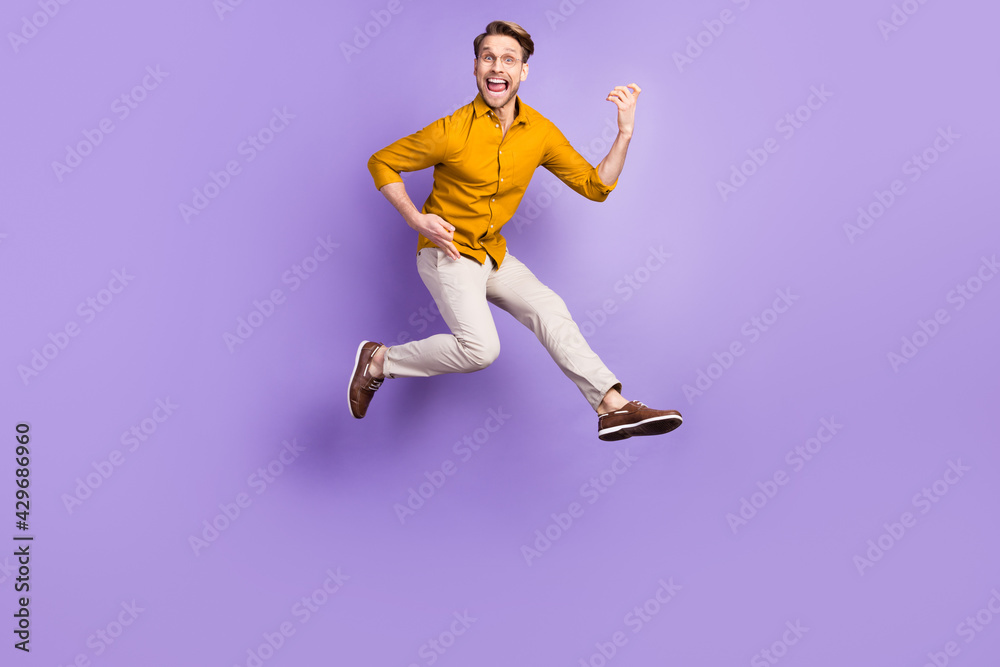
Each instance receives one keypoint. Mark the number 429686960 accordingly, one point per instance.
(22, 474)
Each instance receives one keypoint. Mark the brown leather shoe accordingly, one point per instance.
(362, 386)
(636, 419)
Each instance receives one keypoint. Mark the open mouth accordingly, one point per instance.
(496, 86)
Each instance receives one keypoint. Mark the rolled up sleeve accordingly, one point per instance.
(573, 169)
(417, 151)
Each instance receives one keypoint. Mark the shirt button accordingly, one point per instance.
(501, 180)
(496, 126)
(494, 199)
(501, 152)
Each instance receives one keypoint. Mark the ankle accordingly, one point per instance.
(377, 367)
(612, 401)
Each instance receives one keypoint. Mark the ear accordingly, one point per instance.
(524, 71)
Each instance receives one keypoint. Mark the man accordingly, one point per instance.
(483, 156)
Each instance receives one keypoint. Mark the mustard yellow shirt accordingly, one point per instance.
(480, 175)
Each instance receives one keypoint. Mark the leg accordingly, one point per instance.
(516, 289)
(459, 290)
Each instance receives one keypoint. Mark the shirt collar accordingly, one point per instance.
(480, 108)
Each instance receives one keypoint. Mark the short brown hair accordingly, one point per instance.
(510, 29)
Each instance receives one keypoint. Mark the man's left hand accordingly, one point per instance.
(624, 98)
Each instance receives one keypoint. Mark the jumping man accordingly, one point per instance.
(484, 156)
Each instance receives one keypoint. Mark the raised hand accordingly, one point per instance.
(625, 99)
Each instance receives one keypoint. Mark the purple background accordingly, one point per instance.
(737, 587)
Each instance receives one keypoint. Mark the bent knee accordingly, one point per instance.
(481, 354)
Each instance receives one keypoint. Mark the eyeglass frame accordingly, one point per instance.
(481, 57)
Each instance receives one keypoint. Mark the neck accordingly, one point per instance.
(507, 113)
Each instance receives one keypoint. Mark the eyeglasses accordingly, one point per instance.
(489, 59)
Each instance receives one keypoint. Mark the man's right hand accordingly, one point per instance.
(438, 231)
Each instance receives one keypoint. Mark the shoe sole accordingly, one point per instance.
(350, 380)
(651, 426)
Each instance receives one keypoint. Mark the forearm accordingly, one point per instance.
(610, 167)
(431, 226)
(396, 194)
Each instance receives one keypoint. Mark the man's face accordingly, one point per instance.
(497, 82)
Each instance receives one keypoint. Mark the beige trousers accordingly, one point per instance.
(463, 289)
